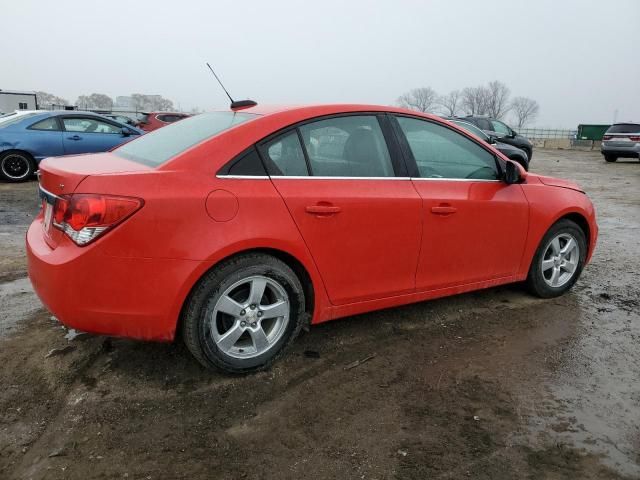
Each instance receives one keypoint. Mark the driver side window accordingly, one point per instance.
(441, 152)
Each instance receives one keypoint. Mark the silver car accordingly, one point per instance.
(621, 140)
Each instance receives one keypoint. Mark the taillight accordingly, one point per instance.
(84, 217)
(606, 137)
(634, 138)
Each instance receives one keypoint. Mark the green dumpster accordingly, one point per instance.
(591, 132)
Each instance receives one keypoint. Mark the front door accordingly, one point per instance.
(90, 134)
(361, 223)
(475, 225)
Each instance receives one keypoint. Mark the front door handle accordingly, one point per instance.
(75, 137)
(444, 210)
(323, 209)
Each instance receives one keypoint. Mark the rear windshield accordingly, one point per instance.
(5, 122)
(624, 128)
(157, 147)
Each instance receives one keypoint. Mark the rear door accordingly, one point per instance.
(359, 215)
(475, 225)
(87, 134)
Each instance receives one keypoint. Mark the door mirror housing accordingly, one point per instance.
(125, 132)
(514, 173)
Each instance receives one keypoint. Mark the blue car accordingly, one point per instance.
(27, 139)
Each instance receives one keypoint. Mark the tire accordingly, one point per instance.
(16, 166)
(569, 265)
(527, 152)
(224, 328)
(610, 158)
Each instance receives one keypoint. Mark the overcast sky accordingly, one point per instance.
(579, 59)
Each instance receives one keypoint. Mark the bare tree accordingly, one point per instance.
(98, 101)
(525, 110)
(421, 99)
(497, 99)
(148, 103)
(475, 100)
(49, 100)
(450, 103)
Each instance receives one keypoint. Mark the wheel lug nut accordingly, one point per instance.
(253, 324)
(243, 312)
(260, 313)
(243, 324)
(252, 307)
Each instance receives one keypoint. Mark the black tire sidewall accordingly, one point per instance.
(610, 158)
(27, 158)
(535, 279)
(215, 284)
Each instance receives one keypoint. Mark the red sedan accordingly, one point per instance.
(240, 228)
(154, 120)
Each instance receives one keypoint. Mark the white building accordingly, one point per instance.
(11, 100)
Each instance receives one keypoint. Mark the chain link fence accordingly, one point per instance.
(547, 133)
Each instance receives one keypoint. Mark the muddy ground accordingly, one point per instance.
(490, 385)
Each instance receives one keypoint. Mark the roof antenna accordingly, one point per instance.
(235, 105)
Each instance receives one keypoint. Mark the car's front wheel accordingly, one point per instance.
(559, 260)
(244, 313)
(610, 158)
(16, 166)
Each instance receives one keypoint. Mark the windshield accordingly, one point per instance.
(472, 129)
(157, 147)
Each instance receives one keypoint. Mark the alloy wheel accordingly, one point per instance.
(250, 317)
(560, 260)
(15, 166)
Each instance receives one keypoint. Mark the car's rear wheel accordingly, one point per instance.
(610, 158)
(16, 166)
(244, 313)
(559, 260)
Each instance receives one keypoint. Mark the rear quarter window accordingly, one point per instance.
(157, 147)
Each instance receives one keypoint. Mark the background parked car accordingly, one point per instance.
(17, 113)
(121, 118)
(511, 152)
(153, 120)
(501, 130)
(621, 140)
(27, 139)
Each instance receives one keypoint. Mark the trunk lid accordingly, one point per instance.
(62, 175)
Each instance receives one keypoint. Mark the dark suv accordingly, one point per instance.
(502, 131)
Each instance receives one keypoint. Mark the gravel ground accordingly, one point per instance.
(489, 385)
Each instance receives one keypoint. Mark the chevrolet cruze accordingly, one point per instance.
(237, 229)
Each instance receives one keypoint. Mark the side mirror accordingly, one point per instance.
(125, 132)
(492, 139)
(513, 134)
(513, 173)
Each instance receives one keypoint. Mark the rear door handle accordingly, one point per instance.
(444, 210)
(75, 137)
(322, 209)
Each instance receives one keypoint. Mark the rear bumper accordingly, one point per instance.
(90, 291)
(632, 151)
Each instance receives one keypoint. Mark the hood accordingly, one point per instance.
(559, 182)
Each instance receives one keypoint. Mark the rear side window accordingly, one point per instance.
(443, 153)
(157, 147)
(624, 128)
(46, 124)
(284, 156)
(351, 146)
